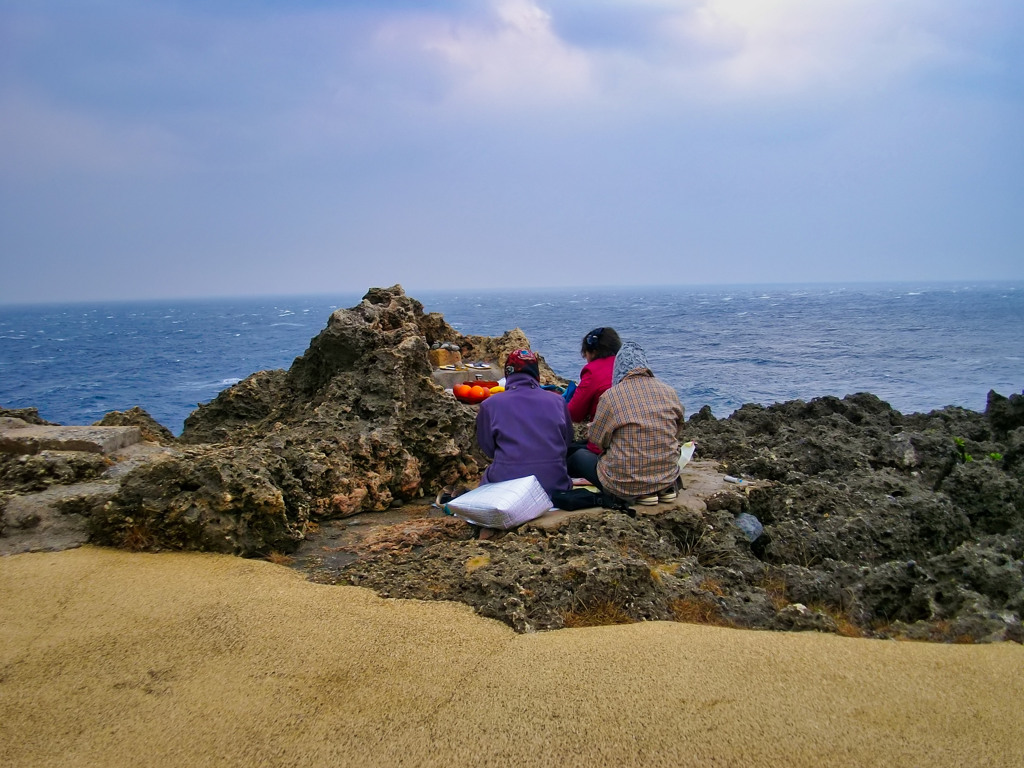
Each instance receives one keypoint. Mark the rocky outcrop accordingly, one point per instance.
(356, 424)
(870, 523)
(24, 415)
(149, 428)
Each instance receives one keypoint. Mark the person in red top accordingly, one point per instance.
(598, 349)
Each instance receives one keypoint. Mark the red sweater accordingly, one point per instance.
(595, 380)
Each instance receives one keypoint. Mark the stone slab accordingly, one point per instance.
(701, 479)
(51, 520)
(32, 439)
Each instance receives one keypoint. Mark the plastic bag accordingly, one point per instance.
(685, 454)
(502, 505)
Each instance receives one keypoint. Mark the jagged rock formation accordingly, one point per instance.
(875, 524)
(356, 424)
(149, 428)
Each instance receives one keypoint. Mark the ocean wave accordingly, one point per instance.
(200, 386)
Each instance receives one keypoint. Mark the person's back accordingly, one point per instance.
(598, 349)
(639, 424)
(525, 429)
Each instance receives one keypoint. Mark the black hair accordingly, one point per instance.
(601, 342)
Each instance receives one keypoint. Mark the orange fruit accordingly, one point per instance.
(478, 392)
(461, 390)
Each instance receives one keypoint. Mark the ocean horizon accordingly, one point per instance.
(918, 345)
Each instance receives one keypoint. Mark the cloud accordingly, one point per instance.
(794, 46)
(709, 51)
(506, 59)
(527, 130)
(186, 81)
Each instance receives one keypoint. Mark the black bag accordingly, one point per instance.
(577, 498)
(581, 498)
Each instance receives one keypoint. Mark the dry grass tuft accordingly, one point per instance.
(845, 626)
(713, 586)
(714, 557)
(279, 558)
(774, 586)
(420, 532)
(137, 537)
(597, 615)
(660, 570)
(692, 610)
(941, 631)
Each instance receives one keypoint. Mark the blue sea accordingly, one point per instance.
(919, 347)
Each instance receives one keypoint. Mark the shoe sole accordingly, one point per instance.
(648, 502)
(668, 497)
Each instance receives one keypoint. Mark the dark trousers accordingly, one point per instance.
(583, 463)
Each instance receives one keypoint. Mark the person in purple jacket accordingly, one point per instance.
(525, 430)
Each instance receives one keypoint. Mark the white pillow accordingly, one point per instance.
(502, 505)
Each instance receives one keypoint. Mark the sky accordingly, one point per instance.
(189, 148)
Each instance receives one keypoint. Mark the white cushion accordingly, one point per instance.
(502, 505)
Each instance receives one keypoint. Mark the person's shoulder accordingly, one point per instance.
(664, 387)
(617, 393)
(492, 402)
(550, 393)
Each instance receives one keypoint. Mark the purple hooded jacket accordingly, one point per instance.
(525, 430)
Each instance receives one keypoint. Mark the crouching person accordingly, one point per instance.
(525, 430)
(638, 425)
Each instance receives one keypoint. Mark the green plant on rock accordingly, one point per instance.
(961, 449)
(996, 456)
